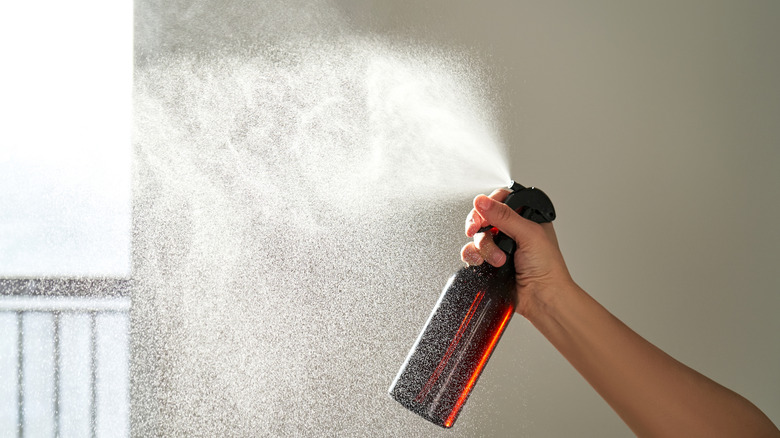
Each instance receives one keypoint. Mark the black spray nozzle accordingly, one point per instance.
(530, 203)
(515, 186)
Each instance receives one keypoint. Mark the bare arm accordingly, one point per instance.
(652, 392)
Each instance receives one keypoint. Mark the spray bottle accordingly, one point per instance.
(472, 312)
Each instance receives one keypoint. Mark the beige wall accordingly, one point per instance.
(655, 128)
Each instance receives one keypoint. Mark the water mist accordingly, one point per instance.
(297, 206)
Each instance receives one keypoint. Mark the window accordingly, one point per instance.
(65, 101)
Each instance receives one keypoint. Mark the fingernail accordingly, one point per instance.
(497, 258)
(484, 203)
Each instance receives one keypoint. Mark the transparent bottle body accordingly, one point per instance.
(460, 335)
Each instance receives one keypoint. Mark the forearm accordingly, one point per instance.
(652, 392)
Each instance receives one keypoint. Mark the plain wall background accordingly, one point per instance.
(655, 128)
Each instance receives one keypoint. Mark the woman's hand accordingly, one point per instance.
(540, 269)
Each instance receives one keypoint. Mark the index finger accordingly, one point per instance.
(474, 221)
(505, 219)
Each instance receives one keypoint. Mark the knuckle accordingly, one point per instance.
(482, 241)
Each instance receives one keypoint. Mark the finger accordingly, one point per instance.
(505, 219)
(488, 250)
(500, 194)
(474, 221)
(470, 255)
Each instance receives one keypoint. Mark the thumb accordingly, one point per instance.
(504, 218)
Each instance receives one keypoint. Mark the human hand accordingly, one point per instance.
(539, 265)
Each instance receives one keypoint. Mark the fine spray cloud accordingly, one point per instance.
(295, 202)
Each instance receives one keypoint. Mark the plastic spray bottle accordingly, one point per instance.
(472, 312)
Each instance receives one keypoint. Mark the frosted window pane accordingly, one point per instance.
(8, 374)
(38, 379)
(65, 141)
(75, 375)
(113, 392)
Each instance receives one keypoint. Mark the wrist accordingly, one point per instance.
(540, 303)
